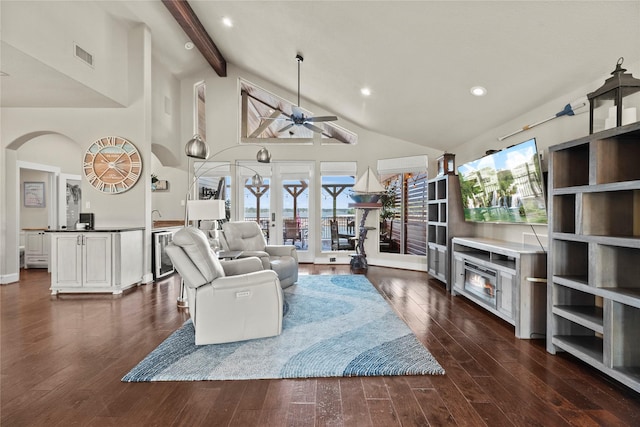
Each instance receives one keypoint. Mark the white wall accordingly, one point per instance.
(47, 31)
(165, 107)
(168, 202)
(41, 149)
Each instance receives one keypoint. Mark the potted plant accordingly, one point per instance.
(388, 202)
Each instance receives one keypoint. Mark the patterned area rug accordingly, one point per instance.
(334, 326)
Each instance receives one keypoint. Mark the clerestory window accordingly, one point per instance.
(263, 119)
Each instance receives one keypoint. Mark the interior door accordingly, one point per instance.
(281, 204)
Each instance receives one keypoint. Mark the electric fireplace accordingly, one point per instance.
(481, 283)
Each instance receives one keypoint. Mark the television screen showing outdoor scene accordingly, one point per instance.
(504, 187)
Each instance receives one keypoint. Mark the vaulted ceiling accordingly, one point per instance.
(419, 58)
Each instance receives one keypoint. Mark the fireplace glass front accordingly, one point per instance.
(481, 283)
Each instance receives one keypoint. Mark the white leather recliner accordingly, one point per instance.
(228, 301)
(246, 236)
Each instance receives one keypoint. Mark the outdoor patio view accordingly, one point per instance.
(402, 227)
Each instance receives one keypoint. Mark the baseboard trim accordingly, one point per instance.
(9, 278)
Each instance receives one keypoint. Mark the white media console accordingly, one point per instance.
(505, 278)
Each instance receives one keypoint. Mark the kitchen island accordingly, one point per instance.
(104, 260)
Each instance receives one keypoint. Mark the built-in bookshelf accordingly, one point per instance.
(445, 220)
(594, 254)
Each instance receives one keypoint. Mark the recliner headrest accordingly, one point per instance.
(196, 246)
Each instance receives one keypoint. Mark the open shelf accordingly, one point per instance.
(594, 256)
(432, 212)
(617, 267)
(441, 235)
(571, 166)
(617, 159)
(431, 191)
(590, 346)
(564, 213)
(441, 189)
(625, 336)
(585, 315)
(612, 213)
(573, 258)
(578, 307)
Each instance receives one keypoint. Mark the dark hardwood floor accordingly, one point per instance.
(63, 357)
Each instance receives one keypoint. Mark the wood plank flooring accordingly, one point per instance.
(63, 357)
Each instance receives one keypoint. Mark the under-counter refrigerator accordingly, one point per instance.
(162, 265)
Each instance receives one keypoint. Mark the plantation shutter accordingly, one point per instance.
(415, 187)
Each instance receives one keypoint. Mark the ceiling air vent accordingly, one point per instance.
(83, 55)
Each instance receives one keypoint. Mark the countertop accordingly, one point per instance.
(169, 228)
(95, 230)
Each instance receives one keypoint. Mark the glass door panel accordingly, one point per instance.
(281, 204)
(295, 213)
(257, 204)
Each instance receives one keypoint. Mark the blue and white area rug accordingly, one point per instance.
(334, 326)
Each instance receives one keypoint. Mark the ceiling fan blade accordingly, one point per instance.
(289, 126)
(322, 119)
(275, 118)
(313, 128)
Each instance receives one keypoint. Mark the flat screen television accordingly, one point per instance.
(504, 187)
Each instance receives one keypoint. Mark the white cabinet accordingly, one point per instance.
(505, 278)
(101, 261)
(36, 249)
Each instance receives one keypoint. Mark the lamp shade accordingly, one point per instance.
(211, 209)
(197, 148)
(263, 156)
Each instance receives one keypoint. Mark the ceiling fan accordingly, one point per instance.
(297, 117)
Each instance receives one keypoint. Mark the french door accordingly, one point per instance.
(281, 203)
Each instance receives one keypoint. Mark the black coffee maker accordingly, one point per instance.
(87, 218)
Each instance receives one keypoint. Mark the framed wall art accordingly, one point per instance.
(34, 195)
(161, 185)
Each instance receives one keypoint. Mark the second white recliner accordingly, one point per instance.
(246, 236)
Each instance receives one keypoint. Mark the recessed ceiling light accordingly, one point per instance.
(365, 91)
(189, 45)
(227, 22)
(478, 91)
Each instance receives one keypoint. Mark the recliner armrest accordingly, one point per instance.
(257, 278)
(241, 266)
(282, 250)
(264, 257)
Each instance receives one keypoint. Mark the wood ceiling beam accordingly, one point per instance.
(186, 17)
